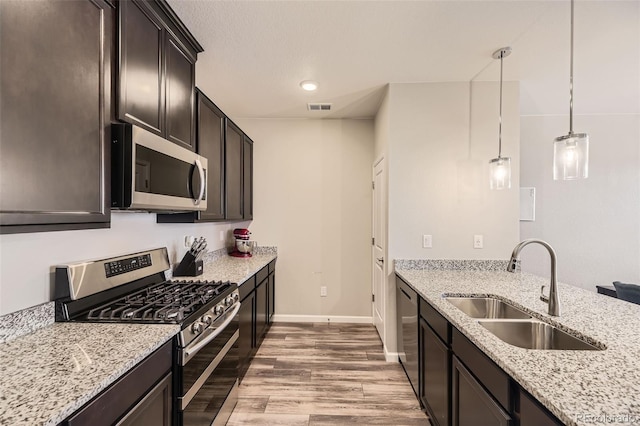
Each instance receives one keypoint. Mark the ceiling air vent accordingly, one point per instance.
(319, 107)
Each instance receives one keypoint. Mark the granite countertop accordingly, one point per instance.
(49, 370)
(579, 387)
(50, 373)
(218, 266)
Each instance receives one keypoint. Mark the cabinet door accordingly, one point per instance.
(141, 94)
(56, 109)
(434, 375)
(180, 82)
(471, 404)
(154, 409)
(261, 310)
(246, 339)
(247, 179)
(233, 167)
(534, 414)
(271, 298)
(210, 135)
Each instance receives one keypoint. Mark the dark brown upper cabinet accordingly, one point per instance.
(234, 164)
(55, 97)
(210, 122)
(157, 70)
(247, 178)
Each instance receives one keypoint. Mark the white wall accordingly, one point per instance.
(26, 260)
(312, 199)
(593, 224)
(439, 152)
(438, 139)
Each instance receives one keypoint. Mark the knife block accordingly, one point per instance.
(189, 267)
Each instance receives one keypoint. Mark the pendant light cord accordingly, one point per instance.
(500, 121)
(571, 78)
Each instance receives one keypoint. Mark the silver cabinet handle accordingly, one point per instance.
(203, 184)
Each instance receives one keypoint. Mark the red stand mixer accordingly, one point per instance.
(243, 247)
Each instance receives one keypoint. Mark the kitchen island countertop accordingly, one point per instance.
(579, 387)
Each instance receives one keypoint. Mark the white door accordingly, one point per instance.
(379, 241)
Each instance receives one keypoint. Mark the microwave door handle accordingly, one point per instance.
(202, 182)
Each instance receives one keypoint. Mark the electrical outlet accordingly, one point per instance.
(188, 240)
(478, 242)
(221, 235)
(427, 241)
(323, 291)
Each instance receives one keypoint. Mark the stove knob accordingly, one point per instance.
(236, 296)
(197, 327)
(219, 310)
(207, 319)
(228, 301)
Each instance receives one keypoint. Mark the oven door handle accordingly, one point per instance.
(191, 351)
(186, 399)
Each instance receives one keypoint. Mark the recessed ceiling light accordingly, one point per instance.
(309, 85)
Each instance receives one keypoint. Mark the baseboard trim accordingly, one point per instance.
(390, 356)
(322, 318)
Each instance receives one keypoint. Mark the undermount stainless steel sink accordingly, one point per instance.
(533, 334)
(487, 307)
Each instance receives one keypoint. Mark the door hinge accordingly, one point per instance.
(373, 184)
(373, 241)
(373, 297)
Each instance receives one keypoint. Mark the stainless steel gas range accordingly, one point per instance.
(132, 289)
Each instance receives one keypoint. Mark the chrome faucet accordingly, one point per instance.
(552, 299)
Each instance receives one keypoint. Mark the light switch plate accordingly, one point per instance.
(427, 241)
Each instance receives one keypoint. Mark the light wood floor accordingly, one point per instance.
(320, 374)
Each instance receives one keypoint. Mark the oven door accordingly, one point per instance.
(210, 376)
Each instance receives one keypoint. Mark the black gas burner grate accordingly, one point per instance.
(167, 302)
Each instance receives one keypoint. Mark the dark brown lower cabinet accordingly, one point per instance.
(271, 296)
(460, 385)
(533, 414)
(140, 397)
(472, 405)
(261, 310)
(246, 330)
(255, 296)
(435, 379)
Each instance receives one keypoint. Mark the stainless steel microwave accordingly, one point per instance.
(153, 174)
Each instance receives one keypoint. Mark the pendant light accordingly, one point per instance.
(571, 151)
(500, 168)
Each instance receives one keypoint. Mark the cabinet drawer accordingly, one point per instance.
(262, 275)
(247, 287)
(438, 323)
(486, 371)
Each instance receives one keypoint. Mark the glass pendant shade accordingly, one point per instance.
(571, 157)
(500, 173)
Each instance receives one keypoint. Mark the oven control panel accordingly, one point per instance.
(123, 266)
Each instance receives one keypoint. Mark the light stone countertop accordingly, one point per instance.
(222, 267)
(579, 387)
(47, 375)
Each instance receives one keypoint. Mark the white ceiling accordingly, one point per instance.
(257, 52)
